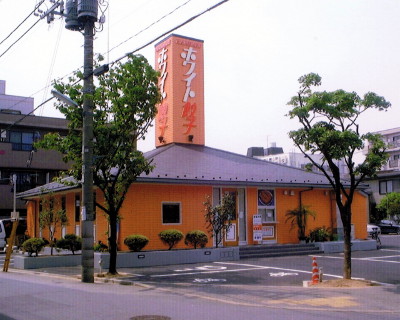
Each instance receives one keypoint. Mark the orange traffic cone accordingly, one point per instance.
(315, 272)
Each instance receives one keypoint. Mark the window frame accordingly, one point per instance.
(179, 204)
(263, 210)
(388, 186)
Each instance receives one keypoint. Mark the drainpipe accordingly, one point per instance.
(300, 192)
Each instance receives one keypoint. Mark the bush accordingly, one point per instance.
(320, 234)
(70, 242)
(170, 237)
(100, 247)
(136, 242)
(33, 245)
(196, 238)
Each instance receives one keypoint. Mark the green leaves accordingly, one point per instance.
(390, 204)
(125, 102)
(329, 124)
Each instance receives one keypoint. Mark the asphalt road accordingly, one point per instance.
(268, 288)
(381, 266)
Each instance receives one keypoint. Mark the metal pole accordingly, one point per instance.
(14, 181)
(87, 157)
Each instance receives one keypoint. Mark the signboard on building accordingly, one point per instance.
(180, 116)
(257, 227)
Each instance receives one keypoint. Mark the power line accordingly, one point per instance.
(171, 30)
(20, 38)
(132, 52)
(36, 7)
(149, 26)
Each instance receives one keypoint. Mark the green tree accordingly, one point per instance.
(329, 127)
(390, 206)
(125, 102)
(51, 217)
(219, 218)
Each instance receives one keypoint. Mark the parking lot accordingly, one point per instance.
(381, 266)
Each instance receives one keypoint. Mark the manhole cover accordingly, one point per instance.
(150, 318)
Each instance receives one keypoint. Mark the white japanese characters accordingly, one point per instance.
(189, 57)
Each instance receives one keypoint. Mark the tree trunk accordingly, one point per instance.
(346, 219)
(112, 242)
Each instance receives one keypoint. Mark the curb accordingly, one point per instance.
(77, 277)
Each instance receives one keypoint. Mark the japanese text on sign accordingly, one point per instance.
(189, 59)
(162, 65)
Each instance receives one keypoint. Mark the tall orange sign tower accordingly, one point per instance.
(180, 116)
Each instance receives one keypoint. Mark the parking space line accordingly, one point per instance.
(379, 257)
(263, 267)
(200, 272)
(283, 269)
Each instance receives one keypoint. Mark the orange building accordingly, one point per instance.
(186, 172)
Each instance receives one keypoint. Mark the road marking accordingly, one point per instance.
(208, 280)
(379, 257)
(284, 269)
(263, 267)
(199, 272)
(282, 274)
(202, 268)
(372, 259)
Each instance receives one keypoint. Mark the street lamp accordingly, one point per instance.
(64, 98)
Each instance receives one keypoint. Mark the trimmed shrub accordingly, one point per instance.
(136, 242)
(196, 238)
(171, 237)
(70, 242)
(320, 234)
(33, 245)
(100, 247)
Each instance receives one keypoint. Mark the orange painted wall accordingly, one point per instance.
(30, 218)
(142, 211)
(317, 200)
(360, 215)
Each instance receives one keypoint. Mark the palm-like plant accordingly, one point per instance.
(298, 217)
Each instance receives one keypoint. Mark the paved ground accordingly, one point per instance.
(273, 282)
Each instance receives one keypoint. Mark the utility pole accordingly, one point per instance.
(82, 15)
(87, 156)
(15, 218)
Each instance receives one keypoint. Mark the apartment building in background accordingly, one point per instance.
(292, 159)
(19, 129)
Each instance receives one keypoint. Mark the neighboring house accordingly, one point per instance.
(388, 178)
(186, 172)
(385, 182)
(392, 138)
(19, 130)
(292, 159)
